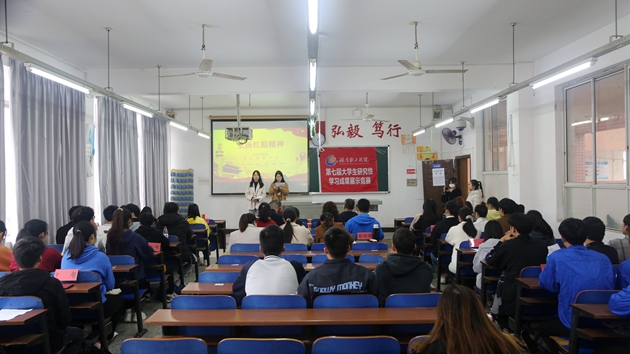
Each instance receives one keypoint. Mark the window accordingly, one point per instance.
(495, 137)
(10, 172)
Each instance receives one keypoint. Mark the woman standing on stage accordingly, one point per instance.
(279, 188)
(255, 192)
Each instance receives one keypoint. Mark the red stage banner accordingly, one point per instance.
(344, 170)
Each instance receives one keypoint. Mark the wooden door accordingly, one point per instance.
(462, 164)
(435, 192)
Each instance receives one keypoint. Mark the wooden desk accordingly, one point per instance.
(529, 284)
(594, 311)
(208, 289)
(460, 264)
(86, 288)
(238, 267)
(26, 319)
(125, 268)
(310, 254)
(487, 279)
(398, 223)
(220, 226)
(132, 269)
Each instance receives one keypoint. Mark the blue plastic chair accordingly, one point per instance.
(22, 303)
(295, 247)
(321, 258)
(356, 345)
(261, 346)
(315, 223)
(560, 243)
(537, 312)
(411, 301)
(304, 222)
(415, 339)
(218, 277)
(368, 246)
(231, 259)
(408, 220)
(257, 302)
(295, 257)
(203, 302)
(245, 247)
(370, 258)
(350, 301)
(201, 240)
(3, 274)
(57, 248)
(318, 247)
(128, 292)
(466, 271)
(163, 346)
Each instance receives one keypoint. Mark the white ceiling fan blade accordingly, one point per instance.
(368, 117)
(445, 71)
(231, 77)
(407, 65)
(206, 65)
(195, 73)
(395, 76)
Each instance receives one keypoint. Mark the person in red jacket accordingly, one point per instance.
(51, 259)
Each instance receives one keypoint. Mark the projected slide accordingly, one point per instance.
(276, 145)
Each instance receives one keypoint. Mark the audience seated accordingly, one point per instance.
(293, 232)
(515, 251)
(520, 209)
(331, 207)
(507, 207)
(542, 231)
(5, 252)
(492, 234)
(51, 259)
(450, 211)
(271, 275)
(493, 209)
(596, 231)
(402, 272)
(101, 231)
(427, 218)
(60, 236)
(31, 281)
(135, 214)
(247, 231)
(150, 233)
(274, 213)
(619, 303)
(194, 217)
(481, 211)
(326, 223)
(363, 222)
(622, 245)
(348, 211)
(177, 226)
(121, 240)
(83, 213)
(462, 326)
(337, 275)
(264, 218)
(82, 255)
(463, 231)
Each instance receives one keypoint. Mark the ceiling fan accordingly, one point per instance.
(368, 117)
(205, 68)
(416, 69)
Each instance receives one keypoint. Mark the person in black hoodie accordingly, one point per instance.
(122, 241)
(178, 226)
(403, 272)
(62, 232)
(596, 232)
(348, 211)
(30, 281)
(450, 212)
(274, 205)
(151, 234)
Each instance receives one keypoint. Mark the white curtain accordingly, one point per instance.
(2, 169)
(155, 161)
(118, 154)
(49, 130)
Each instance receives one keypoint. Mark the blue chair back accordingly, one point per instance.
(203, 302)
(295, 257)
(464, 245)
(356, 345)
(198, 227)
(537, 312)
(318, 247)
(414, 340)
(163, 346)
(121, 260)
(304, 222)
(21, 303)
(530, 272)
(369, 246)
(411, 301)
(57, 248)
(594, 296)
(218, 277)
(408, 220)
(87, 277)
(173, 238)
(321, 258)
(261, 346)
(370, 258)
(231, 259)
(345, 301)
(295, 247)
(466, 271)
(245, 247)
(253, 302)
(560, 243)
(315, 223)
(3, 274)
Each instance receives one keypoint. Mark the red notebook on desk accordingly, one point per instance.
(156, 246)
(67, 277)
(475, 242)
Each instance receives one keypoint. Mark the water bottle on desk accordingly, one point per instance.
(165, 232)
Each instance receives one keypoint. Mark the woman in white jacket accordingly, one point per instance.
(459, 233)
(475, 193)
(255, 192)
(294, 233)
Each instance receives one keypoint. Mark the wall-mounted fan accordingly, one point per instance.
(451, 136)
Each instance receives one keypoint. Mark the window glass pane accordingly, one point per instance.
(495, 135)
(487, 127)
(610, 124)
(502, 153)
(579, 134)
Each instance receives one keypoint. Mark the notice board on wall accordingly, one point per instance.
(349, 170)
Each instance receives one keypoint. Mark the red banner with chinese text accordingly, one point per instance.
(344, 170)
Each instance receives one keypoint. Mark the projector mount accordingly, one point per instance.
(239, 135)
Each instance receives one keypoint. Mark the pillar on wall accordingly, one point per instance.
(520, 134)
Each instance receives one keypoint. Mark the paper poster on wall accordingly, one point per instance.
(438, 177)
(424, 153)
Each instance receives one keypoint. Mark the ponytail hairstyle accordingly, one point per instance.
(263, 211)
(120, 223)
(477, 185)
(82, 231)
(289, 215)
(327, 220)
(242, 223)
(467, 217)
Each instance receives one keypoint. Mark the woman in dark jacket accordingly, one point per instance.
(177, 226)
(542, 231)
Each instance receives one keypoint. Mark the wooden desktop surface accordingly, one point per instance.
(26, 318)
(596, 311)
(83, 288)
(238, 267)
(292, 317)
(207, 289)
(529, 283)
(124, 268)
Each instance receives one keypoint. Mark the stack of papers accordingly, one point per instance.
(7, 314)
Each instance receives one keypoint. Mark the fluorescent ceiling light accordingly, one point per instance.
(603, 119)
(565, 73)
(179, 126)
(312, 73)
(313, 8)
(444, 122)
(581, 122)
(418, 131)
(138, 110)
(56, 79)
(206, 136)
(482, 107)
(312, 107)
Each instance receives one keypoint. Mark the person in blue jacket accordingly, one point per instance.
(619, 303)
(363, 222)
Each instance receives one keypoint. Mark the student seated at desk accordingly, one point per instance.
(542, 231)
(493, 209)
(459, 233)
(507, 207)
(450, 213)
(364, 222)
(177, 226)
(492, 234)
(274, 214)
(194, 217)
(427, 218)
(294, 233)
(121, 240)
(82, 255)
(247, 231)
(327, 221)
(337, 275)
(272, 275)
(151, 234)
(462, 326)
(348, 211)
(619, 303)
(568, 272)
(30, 281)
(402, 272)
(264, 218)
(83, 214)
(596, 231)
(481, 211)
(51, 259)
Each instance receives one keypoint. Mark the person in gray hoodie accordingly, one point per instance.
(403, 272)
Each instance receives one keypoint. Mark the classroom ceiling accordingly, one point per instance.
(272, 34)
